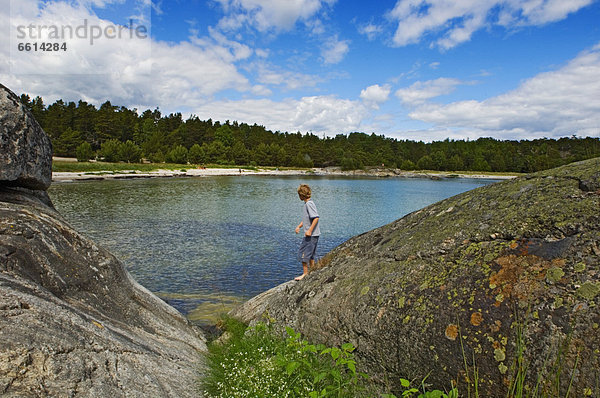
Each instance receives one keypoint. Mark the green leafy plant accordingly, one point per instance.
(259, 362)
(410, 391)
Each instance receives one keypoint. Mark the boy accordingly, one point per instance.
(310, 225)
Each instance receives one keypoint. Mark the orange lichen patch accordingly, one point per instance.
(451, 332)
(380, 314)
(520, 277)
(495, 328)
(476, 318)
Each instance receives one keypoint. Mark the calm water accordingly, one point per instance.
(203, 243)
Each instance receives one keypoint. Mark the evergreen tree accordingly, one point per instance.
(455, 163)
(66, 144)
(129, 152)
(110, 150)
(70, 124)
(106, 125)
(407, 165)
(56, 119)
(225, 135)
(426, 163)
(38, 110)
(239, 153)
(178, 155)
(196, 154)
(217, 152)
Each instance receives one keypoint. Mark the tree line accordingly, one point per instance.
(116, 133)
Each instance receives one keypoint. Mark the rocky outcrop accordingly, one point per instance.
(467, 283)
(25, 150)
(73, 323)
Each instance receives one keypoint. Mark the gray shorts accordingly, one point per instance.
(308, 248)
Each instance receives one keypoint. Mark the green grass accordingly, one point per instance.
(545, 383)
(457, 173)
(95, 167)
(106, 167)
(258, 362)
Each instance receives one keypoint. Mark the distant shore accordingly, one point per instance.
(196, 171)
(208, 172)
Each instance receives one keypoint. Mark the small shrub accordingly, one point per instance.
(196, 154)
(129, 152)
(407, 165)
(157, 157)
(351, 164)
(110, 150)
(84, 152)
(178, 155)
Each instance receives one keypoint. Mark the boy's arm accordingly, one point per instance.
(298, 227)
(312, 227)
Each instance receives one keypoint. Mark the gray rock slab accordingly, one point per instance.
(25, 149)
(467, 280)
(73, 323)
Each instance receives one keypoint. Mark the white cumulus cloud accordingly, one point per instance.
(265, 15)
(375, 95)
(449, 23)
(318, 114)
(274, 76)
(420, 92)
(128, 72)
(334, 50)
(553, 104)
(370, 30)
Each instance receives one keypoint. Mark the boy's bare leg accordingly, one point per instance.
(305, 272)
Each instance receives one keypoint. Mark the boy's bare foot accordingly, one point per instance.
(299, 278)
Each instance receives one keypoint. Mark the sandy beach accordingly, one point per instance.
(210, 172)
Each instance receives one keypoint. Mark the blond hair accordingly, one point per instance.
(304, 191)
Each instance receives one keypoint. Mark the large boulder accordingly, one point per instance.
(73, 323)
(467, 284)
(25, 150)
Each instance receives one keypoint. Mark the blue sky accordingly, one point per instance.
(408, 69)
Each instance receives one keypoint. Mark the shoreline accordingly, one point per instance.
(212, 172)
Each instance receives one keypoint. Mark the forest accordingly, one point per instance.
(118, 134)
